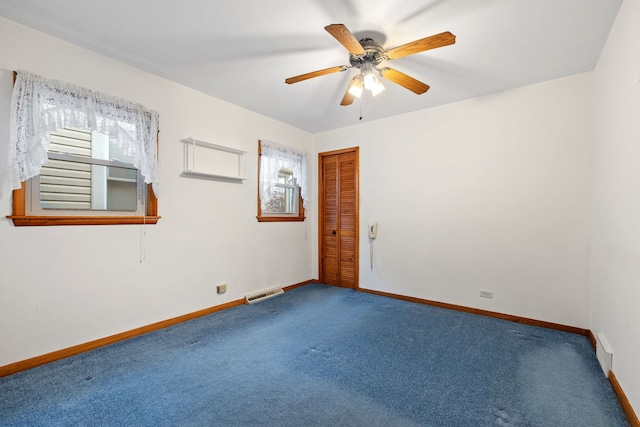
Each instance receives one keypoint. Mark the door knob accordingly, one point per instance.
(333, 232)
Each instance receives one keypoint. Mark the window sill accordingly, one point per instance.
(280, 218)
(25, 221)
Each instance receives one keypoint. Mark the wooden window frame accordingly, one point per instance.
(275, 217)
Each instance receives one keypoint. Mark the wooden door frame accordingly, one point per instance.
(321, 156)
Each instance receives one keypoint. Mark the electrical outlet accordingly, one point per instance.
(222, 288)
(486, 294)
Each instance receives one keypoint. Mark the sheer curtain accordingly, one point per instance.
(39, 106)
(275, 157)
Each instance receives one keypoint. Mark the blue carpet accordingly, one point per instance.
(323, 356)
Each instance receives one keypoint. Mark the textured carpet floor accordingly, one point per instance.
(323, 356)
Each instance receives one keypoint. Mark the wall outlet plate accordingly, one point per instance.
(222, 288)
(486, 294)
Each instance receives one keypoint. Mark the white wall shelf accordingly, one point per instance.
(207, 160)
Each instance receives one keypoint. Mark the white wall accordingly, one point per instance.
(208, 233)
(489, 193)
(615, 255)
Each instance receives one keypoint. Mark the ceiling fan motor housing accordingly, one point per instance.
(373, 55)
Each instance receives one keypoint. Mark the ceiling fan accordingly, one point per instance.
(367, 54)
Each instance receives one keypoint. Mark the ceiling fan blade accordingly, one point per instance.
(344, 36)
(348, 97)
(313, 74)
(403, 80)
(431, 42)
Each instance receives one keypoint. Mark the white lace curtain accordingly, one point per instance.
(39, 106)
(275, 157)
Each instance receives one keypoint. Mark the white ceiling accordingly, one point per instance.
(241, 51)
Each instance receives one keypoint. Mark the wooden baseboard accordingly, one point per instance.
(297, 285)
(624, 402)
(592, 339)
(517, 319)
(24, 365)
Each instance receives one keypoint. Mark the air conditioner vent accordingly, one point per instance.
(261, 296)
(604, 354)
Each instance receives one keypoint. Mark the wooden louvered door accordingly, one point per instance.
(338, 206)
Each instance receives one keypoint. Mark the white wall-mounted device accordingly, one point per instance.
(373, 230)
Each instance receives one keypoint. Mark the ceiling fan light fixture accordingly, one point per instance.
(377, 88)
(356, 87)
(370, 80)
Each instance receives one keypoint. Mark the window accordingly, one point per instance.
(94, 161)
(282, 183)
(85, 173)
(284, 196)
